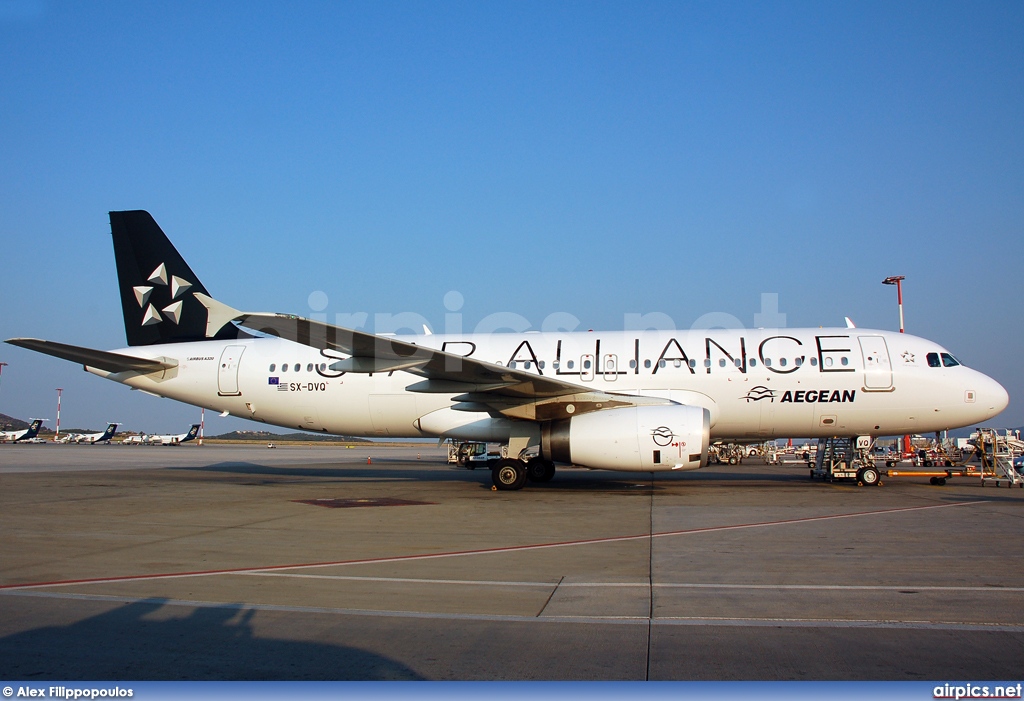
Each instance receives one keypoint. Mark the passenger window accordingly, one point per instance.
(828, 362)
(933, 360)
(753, 363)
(323, 366)
(647, 363)
(721, 363)
(799, 362)
(767, 362)
(586, 364)
(707, 362)
(814, 361)
(554, 364)
(949, 361)
(512, 364)
(527, 364)
(782, 362)
(844, 360)
(297, 367)
(693, 363)
(678, 363)
(284, 367)
(661, 363)
(309, 368)
(273, 366)
(632, 364)
(739, 363)
(569, 364)
(540, 364)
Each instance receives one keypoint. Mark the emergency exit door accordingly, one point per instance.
(227, 373)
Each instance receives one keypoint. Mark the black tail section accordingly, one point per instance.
(157, 286)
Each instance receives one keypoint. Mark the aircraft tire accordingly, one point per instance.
(509, 474)
(540, 470)
(869, 476)
(733, 461)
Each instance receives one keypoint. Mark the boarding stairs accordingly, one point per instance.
(997, 453)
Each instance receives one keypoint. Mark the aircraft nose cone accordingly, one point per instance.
(1000, 397)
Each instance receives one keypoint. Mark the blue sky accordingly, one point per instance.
(596, 159)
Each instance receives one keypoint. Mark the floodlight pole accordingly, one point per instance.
(897, 280)
(57, 435)
(2, 366)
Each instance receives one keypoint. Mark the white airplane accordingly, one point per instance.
(621, 400)
(169, 439)
(92, 438)
(22, 435)
(175, 439)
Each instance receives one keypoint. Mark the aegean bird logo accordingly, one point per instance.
(662, 435)
(175, 287)
(758, 393)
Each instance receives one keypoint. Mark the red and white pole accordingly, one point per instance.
(202, 424)
(59, 391)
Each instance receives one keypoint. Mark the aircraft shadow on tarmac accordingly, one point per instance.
(567, 479)
(219, 643)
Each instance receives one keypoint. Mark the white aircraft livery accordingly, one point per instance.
(23, 435)
(624, 400)
(92, 438)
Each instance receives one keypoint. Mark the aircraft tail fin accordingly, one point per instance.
(108, 434)
(158, 288)
(33, 429)
(192, 433)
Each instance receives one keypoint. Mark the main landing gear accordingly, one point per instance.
(511, 473)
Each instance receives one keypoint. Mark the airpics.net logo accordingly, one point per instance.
(978, 691)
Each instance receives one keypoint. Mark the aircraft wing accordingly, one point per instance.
(479, 385)
(104, 360)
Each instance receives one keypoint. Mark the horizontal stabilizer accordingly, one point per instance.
(103, 360)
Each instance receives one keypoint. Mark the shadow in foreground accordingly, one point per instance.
(130, 642)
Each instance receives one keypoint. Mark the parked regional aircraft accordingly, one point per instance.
(24, 434)
(175, 439)
(169, 439)
(92, 438)
(626, 400)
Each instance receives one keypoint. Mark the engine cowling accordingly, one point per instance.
(641, 438)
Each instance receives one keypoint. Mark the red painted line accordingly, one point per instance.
(482, 551)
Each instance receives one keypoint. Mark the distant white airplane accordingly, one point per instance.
(92, 438)
(24, 434)
(626, 400)
(176, 439)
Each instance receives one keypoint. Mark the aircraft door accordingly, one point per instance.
(227, 373)
(877, 368)
(610, 366)
(587, 367)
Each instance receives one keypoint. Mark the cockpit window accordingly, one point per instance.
(949, 361)
(933, 360)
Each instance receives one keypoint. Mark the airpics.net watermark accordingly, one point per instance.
(769, 317)
(978, 691)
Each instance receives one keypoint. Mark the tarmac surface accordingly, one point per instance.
(238, 562)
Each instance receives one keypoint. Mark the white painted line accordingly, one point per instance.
(643, 585)
(590, 620)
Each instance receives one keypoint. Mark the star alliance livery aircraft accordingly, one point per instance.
(623, 400)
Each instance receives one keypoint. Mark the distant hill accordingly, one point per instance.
(297, 436)
(9, 423)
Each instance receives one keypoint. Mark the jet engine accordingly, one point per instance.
(640, 438)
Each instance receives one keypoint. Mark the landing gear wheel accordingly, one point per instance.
(539, 470)
(869, 476)
(509, 474)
